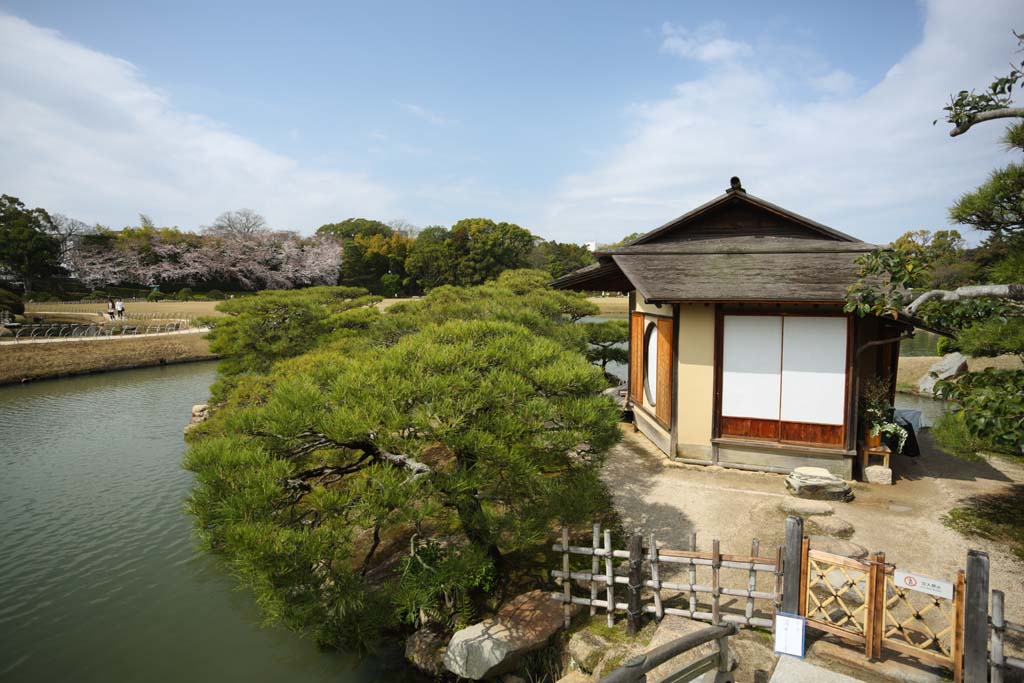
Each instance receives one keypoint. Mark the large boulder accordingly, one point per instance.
(425, 650)
(496, 645)
(951, 365)
(877, 474)
(817, 483)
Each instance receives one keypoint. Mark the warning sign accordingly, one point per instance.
(923, 584)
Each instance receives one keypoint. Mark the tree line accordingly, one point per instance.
(239, 251)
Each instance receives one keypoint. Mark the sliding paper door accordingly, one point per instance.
(784, 378)
(813, 405)
(751, 369)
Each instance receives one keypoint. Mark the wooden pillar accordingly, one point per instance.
(976, 618)
(716, 589)
(755, 549)
(636, 584)
(691, 574)
(791, 587)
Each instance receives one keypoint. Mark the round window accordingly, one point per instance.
(651, 364)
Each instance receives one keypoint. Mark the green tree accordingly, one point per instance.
(429, 263)
(361, 265)
(483, 249)
(28, 248)
(605, 341)
(560, 258)
(388, 472)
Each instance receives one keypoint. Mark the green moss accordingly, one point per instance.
(995, 516)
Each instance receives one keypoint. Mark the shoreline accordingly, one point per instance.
(24, 363)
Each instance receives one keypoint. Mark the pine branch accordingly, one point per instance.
(1004, 113)
(1014, 292)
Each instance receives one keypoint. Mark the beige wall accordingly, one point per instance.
(696, 380)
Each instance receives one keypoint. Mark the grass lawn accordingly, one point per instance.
(166, 309)
(40, 361)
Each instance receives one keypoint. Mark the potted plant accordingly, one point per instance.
(876, 415)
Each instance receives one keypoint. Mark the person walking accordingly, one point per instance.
(110, 308)
(119, 307)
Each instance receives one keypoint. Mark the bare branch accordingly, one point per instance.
(1013, 292)
(1005, 113)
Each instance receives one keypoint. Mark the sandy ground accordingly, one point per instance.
(166, 309)
(671, 500)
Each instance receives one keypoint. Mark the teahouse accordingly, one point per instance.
(740, 352)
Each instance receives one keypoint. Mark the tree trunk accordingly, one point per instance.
(474, 525)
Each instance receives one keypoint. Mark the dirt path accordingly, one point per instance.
(672, 500)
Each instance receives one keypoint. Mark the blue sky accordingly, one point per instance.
(580, 121)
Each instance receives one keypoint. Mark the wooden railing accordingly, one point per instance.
(1000, 661)
(636, 669)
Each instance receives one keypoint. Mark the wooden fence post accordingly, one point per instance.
(791, 567)
(659, 610)
(998, 629)
(976, 618)
(636, 584)
(755, 550)
(595, 567)
(609, 576)
(691, 574)
(567, 581)
(716, 585)
(959, 593)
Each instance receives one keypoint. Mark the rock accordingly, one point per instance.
(200, 413)
(495, 646)
(831, 526)
(951, 365)
(586, 649)
(877, 474)
(839, 547)
(805, 508)
(512, 678)
(714, 468)
(425, 650)
(818, 484)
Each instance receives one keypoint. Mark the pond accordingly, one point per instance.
(101, 577)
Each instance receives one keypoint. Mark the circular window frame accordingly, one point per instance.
(650, 395)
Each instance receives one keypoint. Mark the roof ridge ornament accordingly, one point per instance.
(735, 186)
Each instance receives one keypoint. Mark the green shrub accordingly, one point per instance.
(184, 294)
(215, 294)
(156, 296)
(990, 407)
(11, 303)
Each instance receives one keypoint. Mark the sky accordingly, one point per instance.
(581, 121)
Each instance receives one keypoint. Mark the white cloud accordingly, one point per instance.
(427, 115)
(705, 44)
(835, 82)
(83, 134)
(869, 163)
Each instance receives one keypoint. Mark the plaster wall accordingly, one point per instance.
(696, 380)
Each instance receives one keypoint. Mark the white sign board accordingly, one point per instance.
(923, 584)
(789, 634)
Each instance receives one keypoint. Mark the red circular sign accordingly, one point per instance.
(910, 581)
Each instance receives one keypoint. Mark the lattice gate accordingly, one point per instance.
(860, 602)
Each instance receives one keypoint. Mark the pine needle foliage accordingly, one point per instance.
(382, 473)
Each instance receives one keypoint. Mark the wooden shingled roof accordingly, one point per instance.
(736, 247)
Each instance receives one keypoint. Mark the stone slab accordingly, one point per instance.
(806, 508)
(877, 474)
(830, 526)
(793, 670)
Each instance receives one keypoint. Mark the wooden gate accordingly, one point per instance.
(859, 601)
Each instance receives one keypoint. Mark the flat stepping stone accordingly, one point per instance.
(837, 546)
(805, 507)
(830, 526)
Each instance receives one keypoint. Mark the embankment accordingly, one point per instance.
(20, 362)
(913, 368)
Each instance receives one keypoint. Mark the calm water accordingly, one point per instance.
(99, 576)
